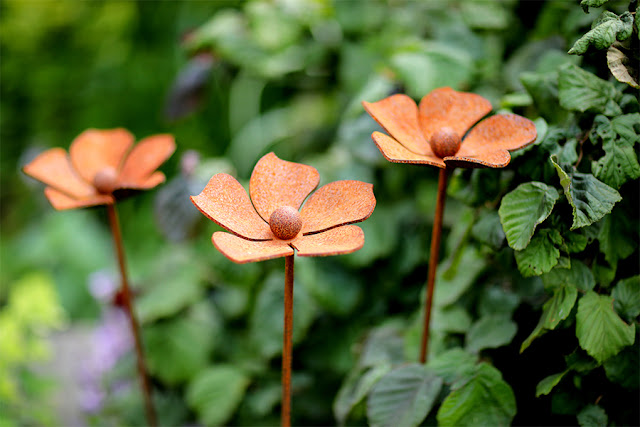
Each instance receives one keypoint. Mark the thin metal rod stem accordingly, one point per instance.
(286, 342)
(133, 322)
(433, 261)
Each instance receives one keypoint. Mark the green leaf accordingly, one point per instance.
(216, 393)
(355, 388)
(580, 361)
(541, 255)
(453, 365)
(384, 345)
(599, 329)
(455, 280)
(593, 416)
(169, 297)
(403, 397)
(616, 237)
(497, 300)
(554, 311)
(580, 90)
(490, 332)
(547, 384)
(575, 241)
(523, 209)
(608, 28)
(543, 89)
(626, 297)
(330, 286)
(620, 162)
(485, 399)
(591, 3)
(590, 199)
(578, 275)
(624, 367)
(488, 230)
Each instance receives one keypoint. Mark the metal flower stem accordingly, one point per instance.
(285, 418)
(128, 305)
(433, 261)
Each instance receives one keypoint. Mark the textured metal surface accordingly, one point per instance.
(411, 127)
(275, 182)
(93, 170)
(285, 222)
(337, 203)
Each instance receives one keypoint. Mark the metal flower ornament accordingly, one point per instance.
(271, 224)
(101, 167)
(440, 132)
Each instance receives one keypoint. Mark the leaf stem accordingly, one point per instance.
(128, 305)
(433, 261)
(287, 342)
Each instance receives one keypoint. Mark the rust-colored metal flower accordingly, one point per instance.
(434, 132)
(100, 162)
(271, 223)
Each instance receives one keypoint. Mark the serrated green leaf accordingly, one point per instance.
(590, 199)
(523, 209)
(578, 275)
(355, 388)
(624, 367)
(580, 90)
(599, 329)
(453, 365)
(618, 165)
(384, 345)
(403, 397)
(626, 297)
(580, 361)
(616, 237)
(485, 399)
(216, 393)
(488, 230)
(490, 332)
(543, 89)
(554, 311)
(541, 255)
(575, 241)
(586, 4)
(593, 416)
(547, 384)
(454, 281)
(607, 29)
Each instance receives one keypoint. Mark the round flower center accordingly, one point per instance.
(105, 180)
(445, 142)
(285, 222)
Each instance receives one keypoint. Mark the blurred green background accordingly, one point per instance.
(232, 81)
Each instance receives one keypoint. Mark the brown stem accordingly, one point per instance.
(433, 261)
(286, 342)
(128, 305)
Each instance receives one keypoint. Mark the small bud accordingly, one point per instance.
(105, 180)
(445, 142)
(285, 222)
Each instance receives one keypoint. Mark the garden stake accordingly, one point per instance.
(99, 163)
(270, 224)
(432, 134)
(433, 261)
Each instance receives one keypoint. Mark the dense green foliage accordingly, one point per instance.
(537, 298)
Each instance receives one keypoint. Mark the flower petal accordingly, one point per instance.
(54, 169)
(337, 203)
(340, 240)
(225, 202)
(241, 250)
(94, 150)
(446, 107)
(398, 115)
(499, 132)
(494, 159)
(396, 153)
(275, 183)
(61, 201)
(144, 158)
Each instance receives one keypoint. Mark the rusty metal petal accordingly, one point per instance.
(143, 159)
(242, 251)
(340, 240)
(225, 202)
(494, 159)
(337, 203)
(446, 107)
(275, 183)
(499, 132)
(398, 115)
(54, 169)
(94, 150)
(396, 153)
(61, 201)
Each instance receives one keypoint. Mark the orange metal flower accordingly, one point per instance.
(100, 162)
(271, 223)
(433, 133)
